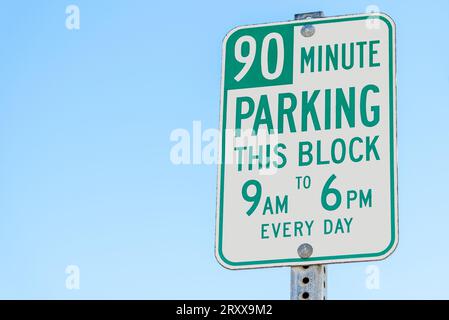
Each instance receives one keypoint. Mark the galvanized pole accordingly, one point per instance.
(308, 282)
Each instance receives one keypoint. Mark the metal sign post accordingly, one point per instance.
(308, 282)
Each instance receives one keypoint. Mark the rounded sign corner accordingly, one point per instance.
(222, 260)
(230, 33)
(389, 21)
(391, 248)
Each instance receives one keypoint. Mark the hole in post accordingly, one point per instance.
(305, 267)
(305, 295)
(305, 280)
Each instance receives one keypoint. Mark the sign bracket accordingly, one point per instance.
(309, 15)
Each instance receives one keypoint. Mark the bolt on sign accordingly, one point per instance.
(308, 165)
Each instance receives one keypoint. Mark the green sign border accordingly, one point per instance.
(392, 157)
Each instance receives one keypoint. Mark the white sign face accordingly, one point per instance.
(308, 148)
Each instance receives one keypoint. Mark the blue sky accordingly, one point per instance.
(85, 171)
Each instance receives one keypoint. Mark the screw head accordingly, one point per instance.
(308, 30)
(305, 250)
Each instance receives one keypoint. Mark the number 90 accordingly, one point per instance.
(248, 59)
